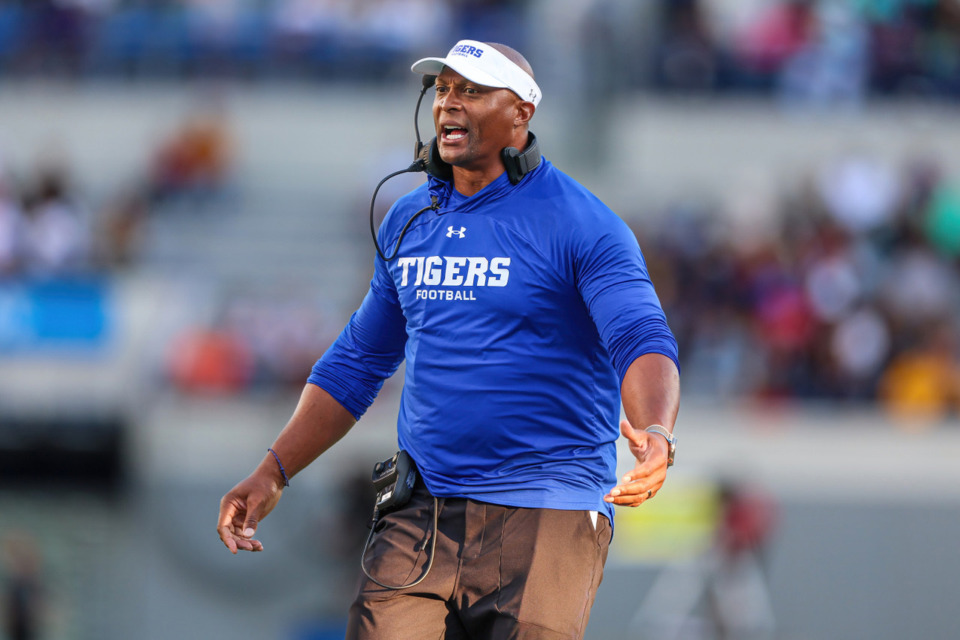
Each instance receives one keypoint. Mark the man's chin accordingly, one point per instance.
(456, 156)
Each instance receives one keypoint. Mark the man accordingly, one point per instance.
(524, 311)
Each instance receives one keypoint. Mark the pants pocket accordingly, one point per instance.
(550, 567)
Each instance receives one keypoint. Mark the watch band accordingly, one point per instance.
(671, 441)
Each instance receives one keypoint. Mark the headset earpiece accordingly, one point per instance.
(519, 164)
(429, 155)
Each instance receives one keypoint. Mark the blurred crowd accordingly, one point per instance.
(242, 38)
(845, 287)
(804, 51)
(809, 51)
(49, 228)
(51, 231)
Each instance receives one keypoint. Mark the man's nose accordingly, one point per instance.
(449, 101)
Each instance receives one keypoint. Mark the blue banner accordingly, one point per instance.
(54, 314)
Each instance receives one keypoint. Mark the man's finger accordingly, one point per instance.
(628, 491)
(228, 511)
(630, 500)
(232, 538)
(245, 544)
(229, 543)
(648, 471)
(633, 495)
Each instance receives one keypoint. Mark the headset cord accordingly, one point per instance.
(433, 551)
(416, 166)
(413, 168)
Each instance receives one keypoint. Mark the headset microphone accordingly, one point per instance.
(427, 81)
(420, 163)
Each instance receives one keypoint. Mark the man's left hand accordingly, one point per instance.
(649, 472)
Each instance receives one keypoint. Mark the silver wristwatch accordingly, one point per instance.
(671, 441)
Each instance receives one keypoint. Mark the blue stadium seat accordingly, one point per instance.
(119, 39)
(12, 28)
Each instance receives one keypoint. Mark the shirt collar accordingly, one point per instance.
(447, 196)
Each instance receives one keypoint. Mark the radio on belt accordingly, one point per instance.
(393, 480)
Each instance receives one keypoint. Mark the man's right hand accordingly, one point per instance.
(317, 423)
(242, 508)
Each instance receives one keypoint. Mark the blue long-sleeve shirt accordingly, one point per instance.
(518, 311)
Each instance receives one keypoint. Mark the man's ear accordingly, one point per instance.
(525, 111)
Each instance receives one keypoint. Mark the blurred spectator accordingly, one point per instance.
(196, 160)
(832, 68)
(738, 591)
(942, 220)
(859, 346)
(770, 38)
(56, 233)
(919, 287)
(685, 56)
(922, 383)
(859, 191)
(210, 361)
(724, 592)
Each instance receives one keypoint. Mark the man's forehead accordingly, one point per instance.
(449, 76)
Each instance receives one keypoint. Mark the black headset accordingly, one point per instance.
(426, 157)
(517, 163)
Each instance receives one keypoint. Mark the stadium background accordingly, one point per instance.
(183, 200)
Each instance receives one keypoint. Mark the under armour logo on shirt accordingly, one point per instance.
(461, 232)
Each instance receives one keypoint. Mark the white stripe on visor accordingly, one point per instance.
(481, 63)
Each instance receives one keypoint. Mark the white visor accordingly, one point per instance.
(481, 63)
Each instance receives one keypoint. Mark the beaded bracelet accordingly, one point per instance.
(283, 472)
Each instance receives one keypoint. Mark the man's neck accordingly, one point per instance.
(468, 182)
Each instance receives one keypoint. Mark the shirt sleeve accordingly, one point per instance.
(367, 351)
(614, 283)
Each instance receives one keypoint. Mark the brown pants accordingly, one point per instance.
(499, 573)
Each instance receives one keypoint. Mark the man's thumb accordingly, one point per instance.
(250, 525)
(627, 430)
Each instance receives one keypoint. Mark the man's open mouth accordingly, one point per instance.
(452, 133)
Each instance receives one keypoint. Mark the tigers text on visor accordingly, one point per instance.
(481, 63)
